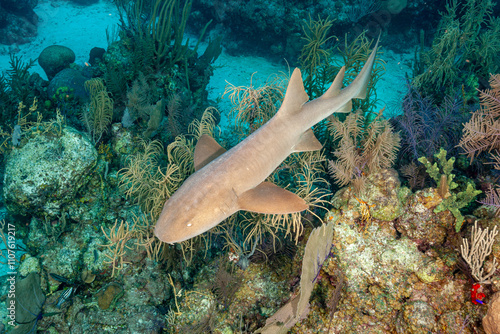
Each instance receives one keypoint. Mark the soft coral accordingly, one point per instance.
(425, 127)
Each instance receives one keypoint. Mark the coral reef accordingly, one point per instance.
(55, 58)
(18, 21)
(452, 201)
(83, 194)
(45, 187)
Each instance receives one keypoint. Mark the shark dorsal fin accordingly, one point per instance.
(269, 198)
(335, 89)
(336, 85)
(206, 150)
(308, 142)
(295, 95)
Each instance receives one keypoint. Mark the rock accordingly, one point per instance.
(55, 58)
(96, 55)
(73, 80)
(107, 295)
(416, 317)
(491, 322)
(420, 223)
(18, 29)
(45, 174)
(383, 195)
(18, 21)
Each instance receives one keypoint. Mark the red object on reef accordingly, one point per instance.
(477, 298)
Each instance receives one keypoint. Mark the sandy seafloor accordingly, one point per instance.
(83, 27)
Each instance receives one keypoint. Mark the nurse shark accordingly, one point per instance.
(225, 182)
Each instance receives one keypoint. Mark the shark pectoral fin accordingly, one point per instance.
(206, 150)
(269, 198)
(308, 142)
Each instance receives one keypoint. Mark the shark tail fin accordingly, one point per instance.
(360, 84)
(357, 88)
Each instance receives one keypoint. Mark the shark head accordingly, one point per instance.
(190, 214)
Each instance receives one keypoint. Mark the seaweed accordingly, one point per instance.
(361, 150)
(314, 58)
(425, 127)
(466, 45)
(97, 116)
(15, 88)
(354, 56)
(225, 286)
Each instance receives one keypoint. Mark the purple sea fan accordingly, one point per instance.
(492, 199)
(425, 127)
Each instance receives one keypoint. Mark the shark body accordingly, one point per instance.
(226, 182)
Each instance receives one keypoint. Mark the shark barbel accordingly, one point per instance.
(225, 182)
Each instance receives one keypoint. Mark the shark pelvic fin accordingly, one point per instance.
(308, 142)
(206, 150)
(295, 95)
(269, 198)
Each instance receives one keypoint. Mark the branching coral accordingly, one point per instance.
(314, 58)
(482, 134)
(440, 172)
(144, 104)
(150, 184)
(361, 151)
(98, 114)
(462, 48)
(481, 244)
(117, 244)
(425, 127)
(255, 106)
(158, 26)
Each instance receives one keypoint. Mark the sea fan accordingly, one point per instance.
(482, 132)
(425, 127)
(362, 149)
(493, 199)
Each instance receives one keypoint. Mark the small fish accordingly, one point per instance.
(60, 278)
(64, 297)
